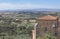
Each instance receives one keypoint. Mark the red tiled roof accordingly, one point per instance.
(48, 17)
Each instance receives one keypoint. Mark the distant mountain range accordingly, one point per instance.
(41, 9)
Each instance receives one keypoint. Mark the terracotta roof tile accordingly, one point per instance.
(48, 17)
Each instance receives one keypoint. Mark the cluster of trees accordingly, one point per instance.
(11, 28)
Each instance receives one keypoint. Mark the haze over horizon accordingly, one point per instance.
(29, 4)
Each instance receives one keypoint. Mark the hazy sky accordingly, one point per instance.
(29, 4)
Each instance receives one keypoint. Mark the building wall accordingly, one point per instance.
(48, 25)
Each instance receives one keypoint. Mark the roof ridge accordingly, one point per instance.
(48, 17)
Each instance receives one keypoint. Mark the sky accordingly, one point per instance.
(29, 4)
